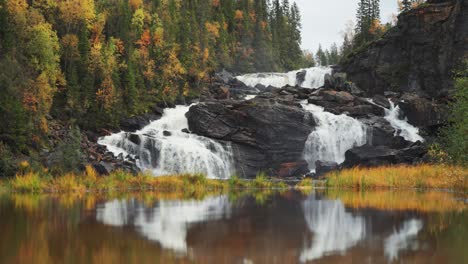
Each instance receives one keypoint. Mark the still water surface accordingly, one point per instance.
(266, 227)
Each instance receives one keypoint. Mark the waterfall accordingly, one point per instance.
(402, 127)
(314, 78)
(334, 229)
(165, 149)
(333, 136)
(168, 222)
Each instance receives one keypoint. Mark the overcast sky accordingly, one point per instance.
(323, 21)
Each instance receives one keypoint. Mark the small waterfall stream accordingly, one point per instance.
(333, 136)
(402, 127)
(314, 78)
(165, 149)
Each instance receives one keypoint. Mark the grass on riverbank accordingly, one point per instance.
(424, 176)
(34, 182)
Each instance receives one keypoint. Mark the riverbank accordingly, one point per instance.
(90, 181)
(424, 176)
(420, 177)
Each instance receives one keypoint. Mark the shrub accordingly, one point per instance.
(7, 162)
(455, 136)
(30, 182)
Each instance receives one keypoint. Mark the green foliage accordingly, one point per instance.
(7, 161)
(455, 136)
(67, 156)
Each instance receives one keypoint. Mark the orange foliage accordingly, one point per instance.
(135, 4)
(239, 15)
(145, 39)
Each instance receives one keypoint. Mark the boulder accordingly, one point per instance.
(224, 76)
(134, 138)
(293, 169)
(381, 101)
(324, 167)
(300, 77)
(264, 133)
(371, 156)
(104, 168)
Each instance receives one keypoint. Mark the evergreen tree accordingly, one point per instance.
(321, 57)
(406, 4)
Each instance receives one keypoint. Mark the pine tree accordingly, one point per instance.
(406, 5)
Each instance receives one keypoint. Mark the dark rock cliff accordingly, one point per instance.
(418, 55)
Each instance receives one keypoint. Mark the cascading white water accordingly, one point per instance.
(334, 229)
(165, 149)
(402, 127)
(333, 136)
(168, 222)
(314, 78)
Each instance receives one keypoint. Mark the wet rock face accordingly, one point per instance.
(341, 102)
(264, 133)
(370, 156)
(135, 123)
(293, 169)
(423, 113)
(418, 55)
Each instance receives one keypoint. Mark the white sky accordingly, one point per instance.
(323, 21)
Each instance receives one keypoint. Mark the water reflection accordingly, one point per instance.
(334, 229)
(272, 227)
(403, 239)
(167, 222)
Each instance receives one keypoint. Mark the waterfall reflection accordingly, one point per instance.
(334, 230)
(166, 223)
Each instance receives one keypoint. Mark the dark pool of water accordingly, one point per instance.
(265, 227)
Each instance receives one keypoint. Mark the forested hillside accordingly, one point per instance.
(96, 61)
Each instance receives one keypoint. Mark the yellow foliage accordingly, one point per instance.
(419, 176)
(213, 29)
(16, 7)
(74, 11)
(376, 27)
